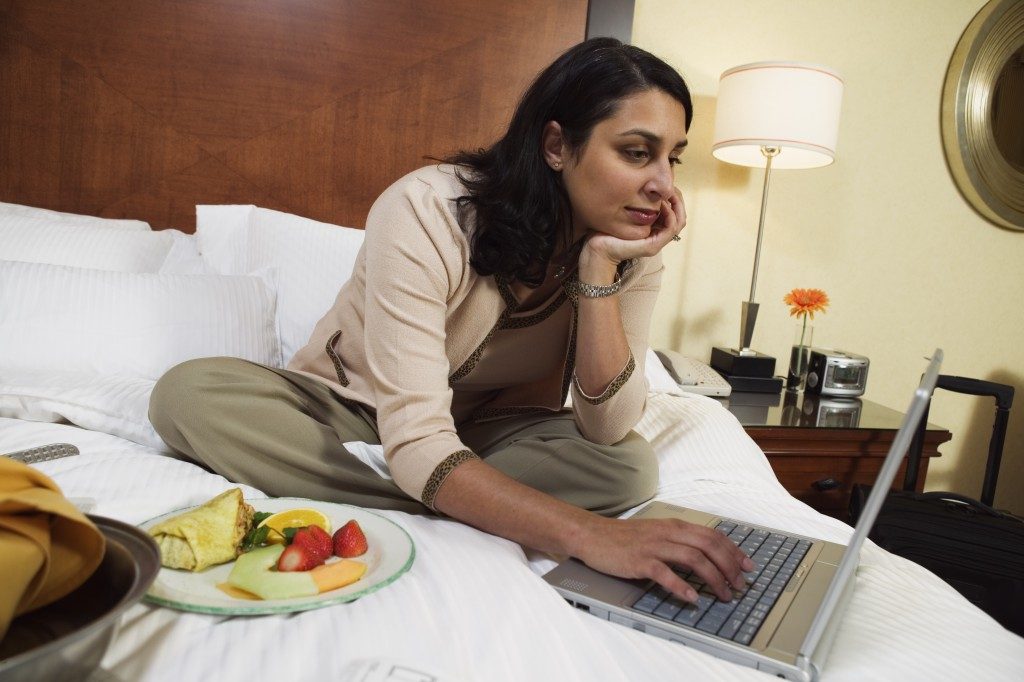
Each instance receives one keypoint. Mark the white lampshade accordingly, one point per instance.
(790, 105)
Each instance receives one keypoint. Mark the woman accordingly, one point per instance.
(486, 291)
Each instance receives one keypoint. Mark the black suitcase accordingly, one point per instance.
(973, 547)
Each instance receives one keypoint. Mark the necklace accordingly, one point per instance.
(563, 261)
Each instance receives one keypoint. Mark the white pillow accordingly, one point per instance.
(312, 259)
(109, 404)
(20, 210)
(35, 239)
(56, 318)
(658, 378)
(184, 257)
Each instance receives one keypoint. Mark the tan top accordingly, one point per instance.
(534, 345)
(415, 318)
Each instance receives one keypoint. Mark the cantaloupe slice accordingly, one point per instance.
(338, 574)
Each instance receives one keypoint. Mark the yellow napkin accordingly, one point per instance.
(47, 547)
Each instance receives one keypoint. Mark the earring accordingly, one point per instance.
(557, 165)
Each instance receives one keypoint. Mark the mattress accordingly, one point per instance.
(474, 607)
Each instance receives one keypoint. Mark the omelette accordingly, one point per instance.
(205, 536)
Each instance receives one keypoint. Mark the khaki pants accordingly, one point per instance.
(282, 432)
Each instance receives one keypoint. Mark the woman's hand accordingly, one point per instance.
(480, 495)
(669, 224)
(648, 548)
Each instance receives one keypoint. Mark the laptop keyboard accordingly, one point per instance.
(775, 556)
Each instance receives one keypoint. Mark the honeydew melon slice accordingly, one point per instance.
(252, 573)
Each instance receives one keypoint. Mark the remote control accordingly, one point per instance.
(44, 453)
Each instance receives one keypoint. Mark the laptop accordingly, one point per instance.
(785, 620)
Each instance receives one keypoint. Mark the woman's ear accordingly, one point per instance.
(553, 146)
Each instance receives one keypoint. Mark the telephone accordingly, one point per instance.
(693, 375)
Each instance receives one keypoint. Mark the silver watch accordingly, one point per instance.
(598, 291)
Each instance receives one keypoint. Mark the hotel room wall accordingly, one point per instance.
(907, 263)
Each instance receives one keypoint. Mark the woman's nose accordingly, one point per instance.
(659, 184)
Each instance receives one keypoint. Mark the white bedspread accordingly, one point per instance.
(473, 606)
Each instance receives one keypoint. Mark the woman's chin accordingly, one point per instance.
(636, 232)
(626, 231)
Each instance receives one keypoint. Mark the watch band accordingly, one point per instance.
(598, 291)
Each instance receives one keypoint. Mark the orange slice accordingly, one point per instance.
(293, 518)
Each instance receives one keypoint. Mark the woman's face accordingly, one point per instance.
(617, 181)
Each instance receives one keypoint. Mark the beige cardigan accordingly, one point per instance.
(413, 319)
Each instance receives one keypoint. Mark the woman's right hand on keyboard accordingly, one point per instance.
(649, 548)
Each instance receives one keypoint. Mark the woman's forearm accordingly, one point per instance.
(601, 346)
(481, 496)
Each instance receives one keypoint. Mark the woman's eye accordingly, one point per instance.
(674, 160)
(637, 154)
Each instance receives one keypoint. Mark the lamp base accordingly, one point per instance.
(751, 408)
(742, 384)
(742, 363)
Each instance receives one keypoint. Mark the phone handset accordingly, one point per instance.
(692, 375)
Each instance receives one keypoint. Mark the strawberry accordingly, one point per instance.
(316, 540)
(349, 540)
(297, 558)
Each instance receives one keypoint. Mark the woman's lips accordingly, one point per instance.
(642, 216)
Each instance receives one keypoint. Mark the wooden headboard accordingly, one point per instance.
(144, 109)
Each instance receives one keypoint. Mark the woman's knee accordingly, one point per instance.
(610, 479)
(637, 475)
(182, 390)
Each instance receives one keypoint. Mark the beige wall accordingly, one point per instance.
(907, 263)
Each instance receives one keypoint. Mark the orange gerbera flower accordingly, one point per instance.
(806, 302)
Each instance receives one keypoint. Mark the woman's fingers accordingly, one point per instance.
(651, 548)
(679, 209)
(671, 221)
(708, 573)
(712, 557)
(724, 553)
(670, 580)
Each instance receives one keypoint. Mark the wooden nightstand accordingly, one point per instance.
(819, 447)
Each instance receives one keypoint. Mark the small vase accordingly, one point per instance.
(800, 357)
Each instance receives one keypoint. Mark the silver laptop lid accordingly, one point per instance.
(851, 557)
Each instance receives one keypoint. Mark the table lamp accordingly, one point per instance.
(775, 115)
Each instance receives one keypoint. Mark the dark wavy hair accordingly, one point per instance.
(520, 204)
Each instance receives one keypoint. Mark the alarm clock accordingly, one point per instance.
(837, 373)
(824, 411)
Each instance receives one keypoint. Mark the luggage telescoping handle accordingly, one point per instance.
(1004, 400)
(966, 502)
(1001, 392)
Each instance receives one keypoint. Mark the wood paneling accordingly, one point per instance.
(143, 109)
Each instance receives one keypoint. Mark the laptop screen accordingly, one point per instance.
(898, 449)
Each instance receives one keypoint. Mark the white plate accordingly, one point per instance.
(390, 554)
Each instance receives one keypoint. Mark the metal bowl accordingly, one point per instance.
(67, 639)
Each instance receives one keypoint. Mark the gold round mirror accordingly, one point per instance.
(983, 113)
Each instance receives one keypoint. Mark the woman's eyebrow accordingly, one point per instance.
(651, 137)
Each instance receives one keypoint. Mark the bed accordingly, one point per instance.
(93, 310)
